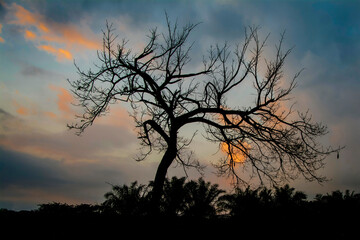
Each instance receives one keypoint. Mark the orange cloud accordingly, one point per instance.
(20, 109)
(50, 115)
(64, 54)
(23, 16)
(117, 117)
(70, 36)
(55, 38)
(48, 49)
(29, 35)
(64, 100)
(61, 54)
(1, 39)
(43, 27)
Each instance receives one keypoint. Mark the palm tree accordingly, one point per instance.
(202, 198)
(286, 196)
(126, 201)
(175, 195)
(243, 202)
(266, 197)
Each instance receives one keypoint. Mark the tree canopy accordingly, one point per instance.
(268, 137)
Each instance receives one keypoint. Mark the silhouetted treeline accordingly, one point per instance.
(185, 202)
(202, 199)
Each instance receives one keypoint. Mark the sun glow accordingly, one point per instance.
(238, 154)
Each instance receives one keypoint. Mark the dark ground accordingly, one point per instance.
(283, 226)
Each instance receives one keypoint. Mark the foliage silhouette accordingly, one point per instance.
(338, 204)
(241, 203)
(126, 201)
(167, 93)
(262, 202)
(201, 207)
(180, 198)
(174, 198)
(286, 197)
(65, 210)
(202, 199)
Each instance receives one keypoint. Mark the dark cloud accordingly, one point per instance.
(27, 171)
(5, 115)
(38, 167)
(27, 180)
(32, 71)
(2, 10)
(8, 123)
(58, 11)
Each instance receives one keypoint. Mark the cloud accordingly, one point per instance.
(58, 39)
(29, 35)
(33, 71)
(59, 53)
(27, 180)
(70, 36)
(37, 114)
(6, 120)
(117, 117)
(10, 124)
(26, 170)
(97, 142)
(64, 100)
(1, 39)
(37, 166)
(21, 109)
(25, 108)
(50, 115)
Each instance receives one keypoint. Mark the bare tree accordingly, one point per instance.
(166, 94)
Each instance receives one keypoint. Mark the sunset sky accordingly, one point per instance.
(42, 161)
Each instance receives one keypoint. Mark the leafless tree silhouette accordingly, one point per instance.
(165, 94)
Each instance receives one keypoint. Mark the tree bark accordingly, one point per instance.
(158, 187)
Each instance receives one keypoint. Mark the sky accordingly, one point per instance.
(42, 161)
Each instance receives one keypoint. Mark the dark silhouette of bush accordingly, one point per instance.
(205, 200)
(173, 202)
(180, 198)
(56, 208)
(204, 208)
(126, 200)
(202, 199)
(263, 203)
(286, 196)
(241, 203)
(338, 204)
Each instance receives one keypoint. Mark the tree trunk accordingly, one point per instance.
(158, 187)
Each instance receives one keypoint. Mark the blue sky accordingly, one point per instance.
(41, 161)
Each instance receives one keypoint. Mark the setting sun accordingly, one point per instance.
(236, 154)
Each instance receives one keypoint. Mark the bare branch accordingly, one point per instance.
(266, 137)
